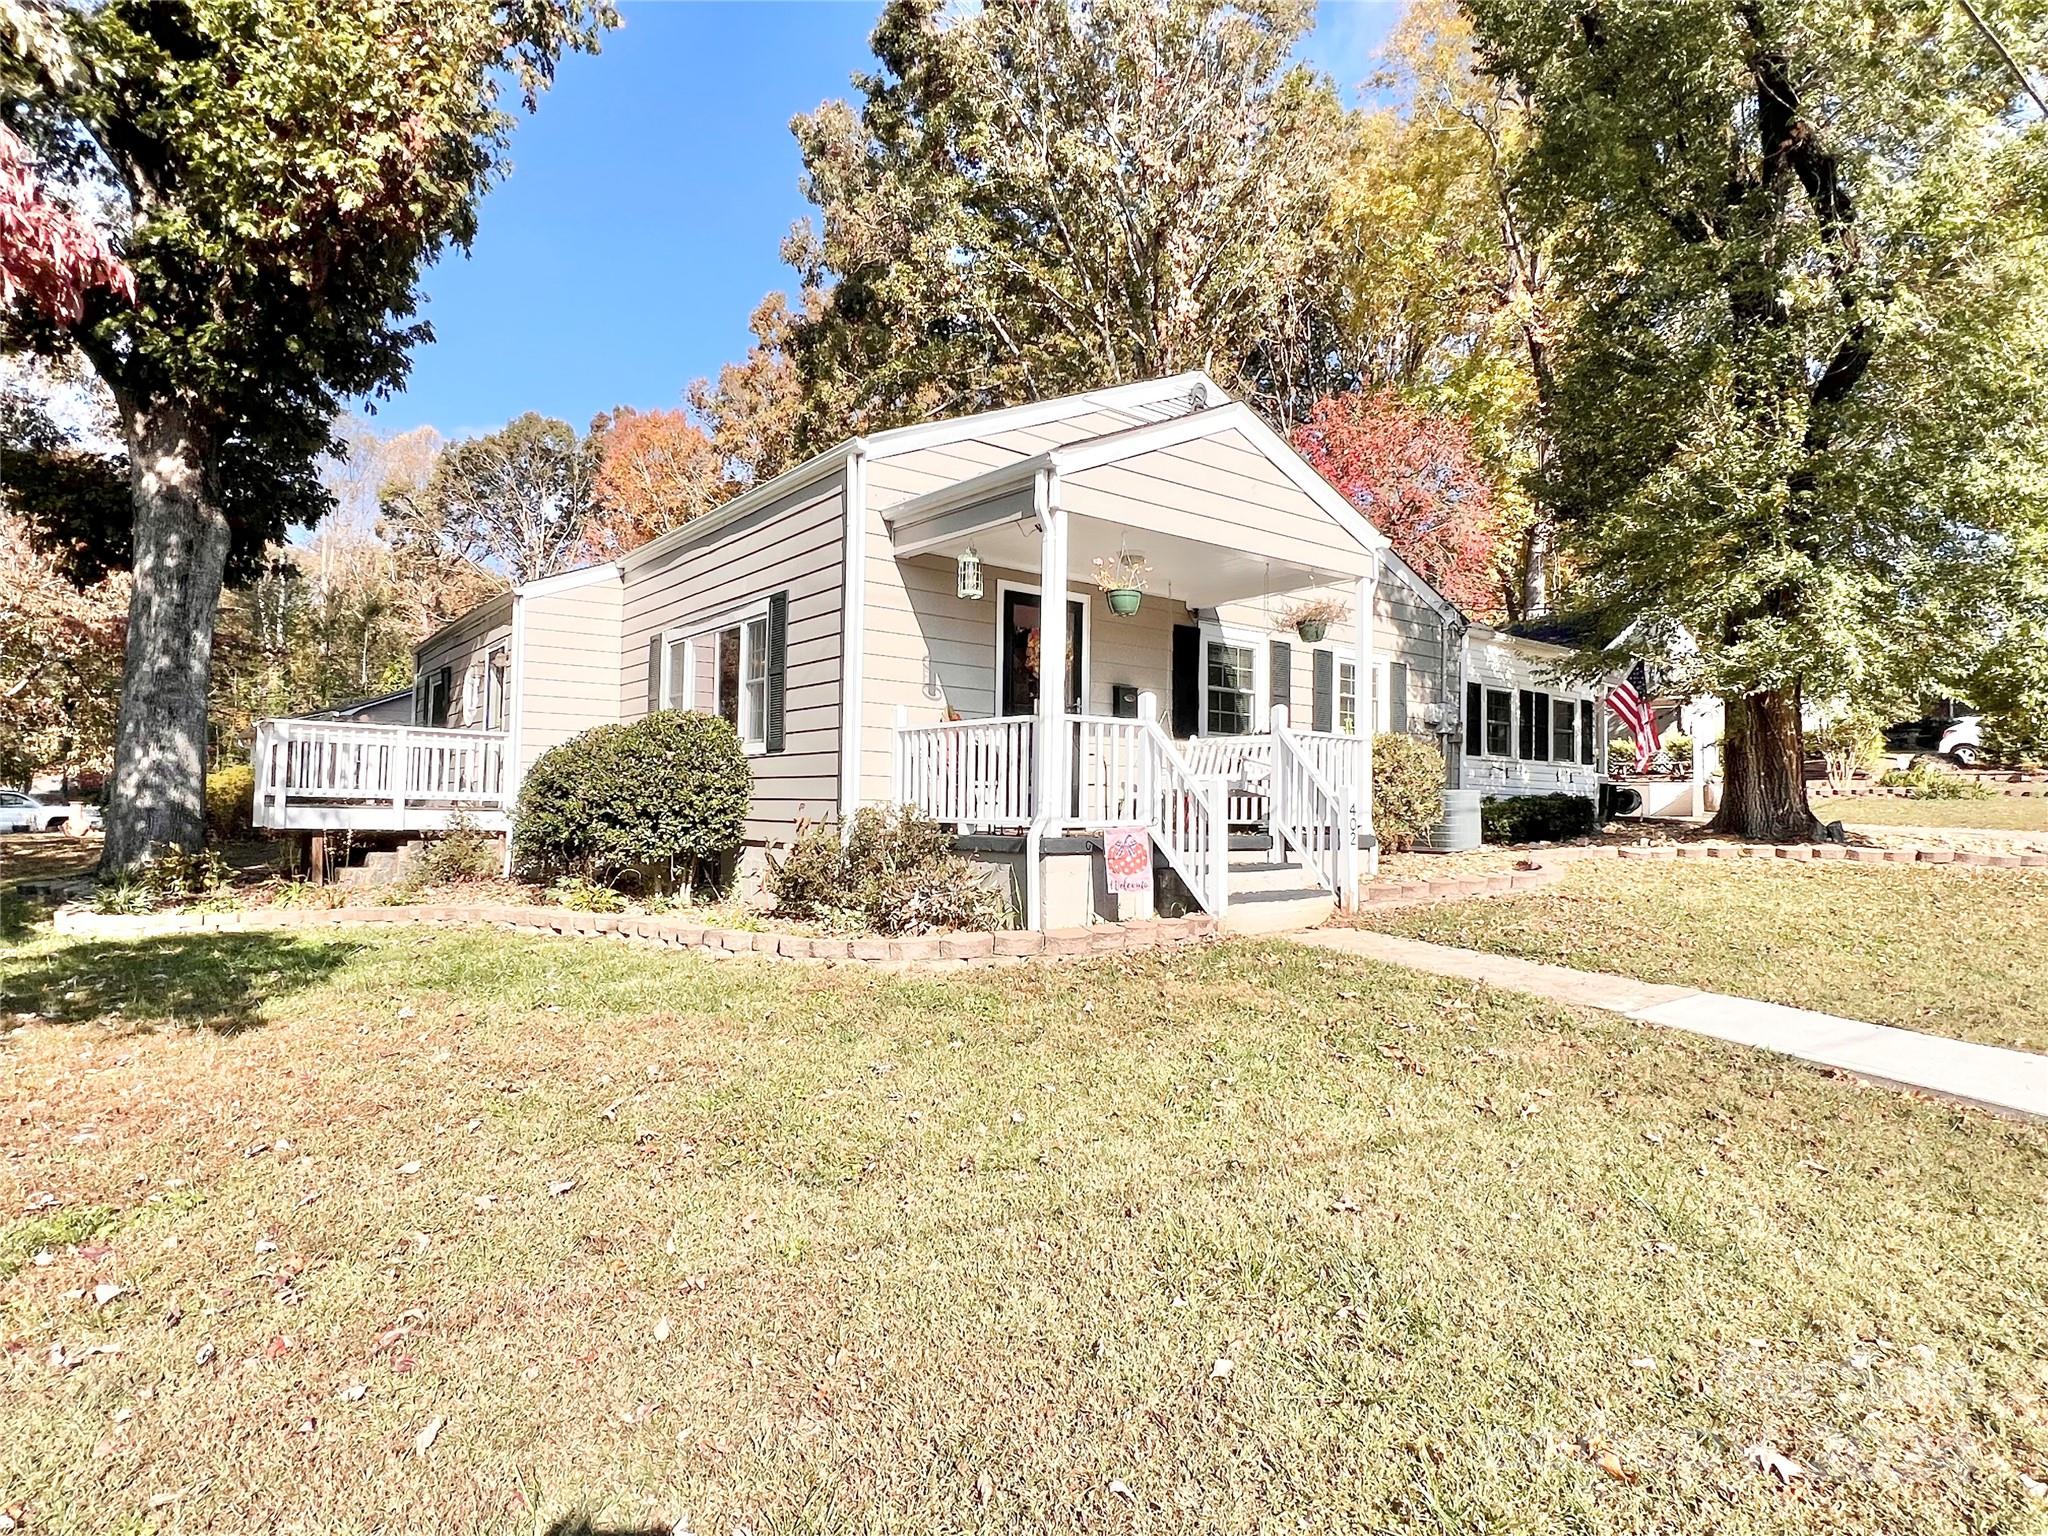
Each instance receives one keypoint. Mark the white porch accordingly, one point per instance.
(329, 776)
(1225, 552)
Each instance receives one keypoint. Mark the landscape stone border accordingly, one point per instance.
(675, 932)
(1547, 866)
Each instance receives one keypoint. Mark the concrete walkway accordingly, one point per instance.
(1989, 1076)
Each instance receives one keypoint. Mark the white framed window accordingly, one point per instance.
(1233, 683)
(472, 692)
(1347, 696)
(497, 688)
(741, 680)
(1564, 729)
(678, 672)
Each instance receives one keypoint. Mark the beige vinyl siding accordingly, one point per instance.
(463, 645)
(569, 672)
(794, 543)
(1405, 629)
(897, 477)
(1220, 491)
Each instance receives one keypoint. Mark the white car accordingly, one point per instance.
(25, 813)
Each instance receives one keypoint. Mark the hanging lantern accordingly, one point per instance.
(969, 584)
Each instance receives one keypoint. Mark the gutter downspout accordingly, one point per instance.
(515, 713)
(852, 629)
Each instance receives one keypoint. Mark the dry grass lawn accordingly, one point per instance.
(1957, 952)
(389, 1231)
(2006, 813)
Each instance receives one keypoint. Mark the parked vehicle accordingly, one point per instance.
(1959, 738)
(25, 813)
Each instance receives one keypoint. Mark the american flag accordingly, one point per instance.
(1628, 702)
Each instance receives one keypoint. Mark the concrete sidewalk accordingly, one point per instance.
(1990, 1076)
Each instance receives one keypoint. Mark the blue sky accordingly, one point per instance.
(647, 203)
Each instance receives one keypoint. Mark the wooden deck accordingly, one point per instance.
(328, 776)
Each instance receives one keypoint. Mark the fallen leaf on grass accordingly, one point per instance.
(661, 1331)
(561, 1186)
(424, 1441)
(105, 1292)
(1220, 1369)
(1768, 1458)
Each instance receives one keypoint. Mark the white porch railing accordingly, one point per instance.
(970, 773)
(1129, 773)
(314, 774)
(1319, 819)
(1246, 762)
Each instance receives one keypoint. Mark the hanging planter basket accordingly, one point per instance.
(1312, 630)
(1123, 601)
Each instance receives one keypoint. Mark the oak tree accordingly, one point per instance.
(274, 174)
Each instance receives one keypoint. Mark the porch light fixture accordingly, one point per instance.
(968, 582)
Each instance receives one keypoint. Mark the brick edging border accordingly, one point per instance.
(676, 932)
(1547, 866)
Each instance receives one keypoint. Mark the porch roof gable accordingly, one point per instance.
(937, 514)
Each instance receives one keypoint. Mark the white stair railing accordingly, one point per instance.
(1319, 820)
(969, 773)
(1129, 773)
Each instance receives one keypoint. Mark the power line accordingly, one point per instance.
(2004, 53)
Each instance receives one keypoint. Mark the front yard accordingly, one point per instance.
(1952, 951)
(2004, 813)
(457, 1231)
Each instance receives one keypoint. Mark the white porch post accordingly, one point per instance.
(1052, 660)
(1362, 595)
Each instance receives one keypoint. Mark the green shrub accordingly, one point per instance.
(230, 802)
(1407, 789)
(668, 791)
(1924, 782)
(1621, 755)
(1537, 818)
(581, 895)
(462, 853)
(1678, 747)
(895, 873)
(2017, 739)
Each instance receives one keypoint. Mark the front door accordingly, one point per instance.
(1017, 659)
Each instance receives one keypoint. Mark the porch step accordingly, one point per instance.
(1269, 895)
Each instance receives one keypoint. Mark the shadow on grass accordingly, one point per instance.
(216, 981)
(583, 1525)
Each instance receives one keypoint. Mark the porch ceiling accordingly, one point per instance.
(1191, 571)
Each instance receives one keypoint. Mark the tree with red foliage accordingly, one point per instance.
(1418, 478)
(48, 255)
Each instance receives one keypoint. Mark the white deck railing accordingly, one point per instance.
(1246, 762)
(1319, 819)
(975, 774)
(317, 773)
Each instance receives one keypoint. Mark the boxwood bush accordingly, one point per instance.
(1537, 818)
(668, 792)
(1407, 789)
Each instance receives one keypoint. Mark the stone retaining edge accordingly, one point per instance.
(674, 932)
(1547, 866)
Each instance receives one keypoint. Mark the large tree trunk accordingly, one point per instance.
(157, 793)
(1763, 757)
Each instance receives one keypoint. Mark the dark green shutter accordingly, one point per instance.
(1586, 752)
(1525, 740)
(1475, 720)
(778, 668)
(653, 673)
(1281, 684)
(1187, 681)
(1397, 697)
(1325, 711)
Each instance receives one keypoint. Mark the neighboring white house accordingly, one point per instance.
(872, 623)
